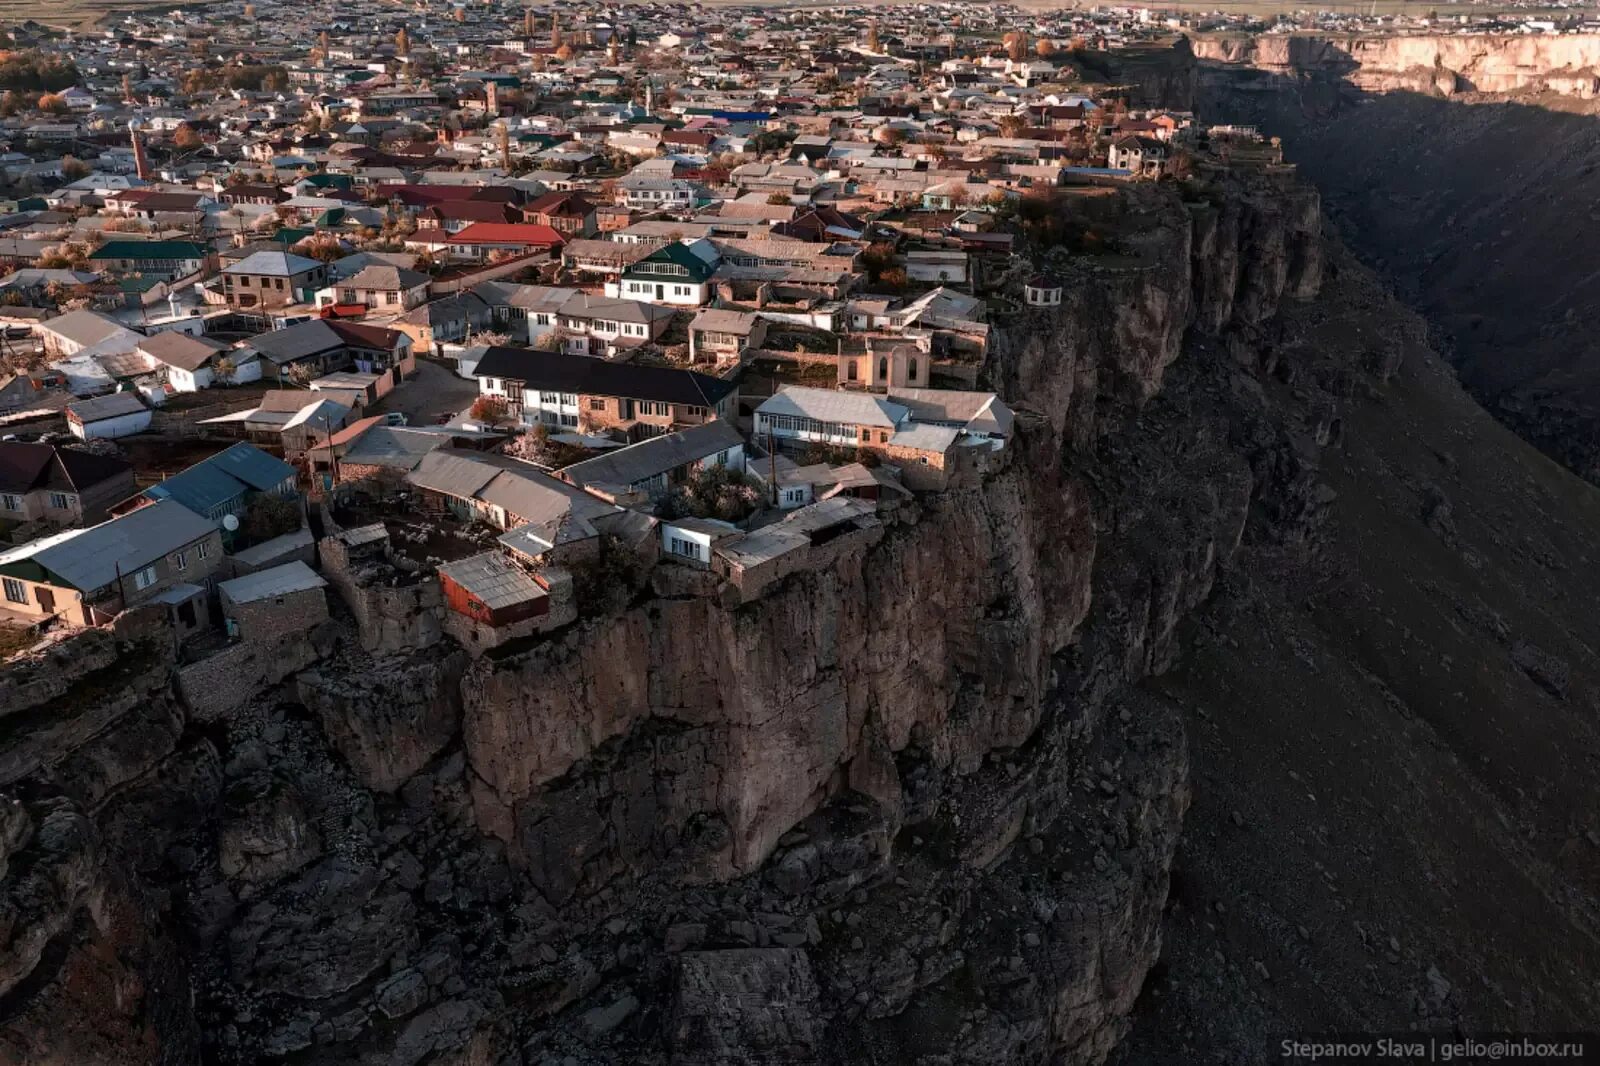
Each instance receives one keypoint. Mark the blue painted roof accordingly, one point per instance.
(222, 478)
(253, 466)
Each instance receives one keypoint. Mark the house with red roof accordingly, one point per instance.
(486, 240)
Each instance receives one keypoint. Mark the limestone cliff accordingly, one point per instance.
(899, 809)
(1432, 64)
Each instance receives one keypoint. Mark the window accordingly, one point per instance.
(549, 397)
(180, 560)
(16, 591)
(686, 548)
(596, 403)
(143, 579)
(10, 503)
(883, 368)
(912, 373)
(60, 501)
(202, 549)
(570, 421)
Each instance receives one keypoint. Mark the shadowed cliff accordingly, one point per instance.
(1392, 741)
(898, 809)
(1474, 207)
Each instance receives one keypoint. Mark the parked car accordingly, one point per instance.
(395, 418)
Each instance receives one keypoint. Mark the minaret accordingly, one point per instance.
(649, 99)
(491, 98)
(141, 163)
(505, 145)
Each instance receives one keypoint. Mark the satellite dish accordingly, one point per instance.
(230, 522)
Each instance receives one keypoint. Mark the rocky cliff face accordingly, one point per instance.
(1467, 229)
(898, 810)
(1441, 65)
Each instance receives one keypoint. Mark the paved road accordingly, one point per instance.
(435, 389)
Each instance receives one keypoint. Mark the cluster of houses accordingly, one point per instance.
(719, 292)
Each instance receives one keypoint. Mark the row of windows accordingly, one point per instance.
(389, 298)
(60, 501)
(799, 424)
(645, 288)
(671, 269)
(600, 325)
(686, 548)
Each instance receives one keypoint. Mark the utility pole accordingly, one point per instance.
(772, 466)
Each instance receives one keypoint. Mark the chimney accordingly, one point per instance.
(505, 146)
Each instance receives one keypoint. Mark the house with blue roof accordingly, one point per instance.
(224, 484)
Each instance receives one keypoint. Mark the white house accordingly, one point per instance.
(191, 362)
(119, 414)
(677, 274)
(1042, 290)
(559, 410)
(690, 540)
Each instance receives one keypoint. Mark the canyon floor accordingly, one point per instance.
(1391, 741)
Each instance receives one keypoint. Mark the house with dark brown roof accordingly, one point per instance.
(59, 486)
(570, 214)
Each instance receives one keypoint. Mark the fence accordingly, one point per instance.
(504, 268)
(185, 421)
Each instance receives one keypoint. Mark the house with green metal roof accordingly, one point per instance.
(167, 259)
(677, 274)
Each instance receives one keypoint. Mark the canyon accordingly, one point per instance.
(908, 806)
(1244, 697)
(1456, 167)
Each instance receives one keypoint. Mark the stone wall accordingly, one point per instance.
(394, 609)
(227, 678)
(272, 620)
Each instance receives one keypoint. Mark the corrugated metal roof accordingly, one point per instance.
(100, 408)
(277, 581)
(925, 437)
(223, 477)
(90, 558)
(489, 577)
(834, 405)
(658, 455)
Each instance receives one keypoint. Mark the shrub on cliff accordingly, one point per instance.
(715, 492)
